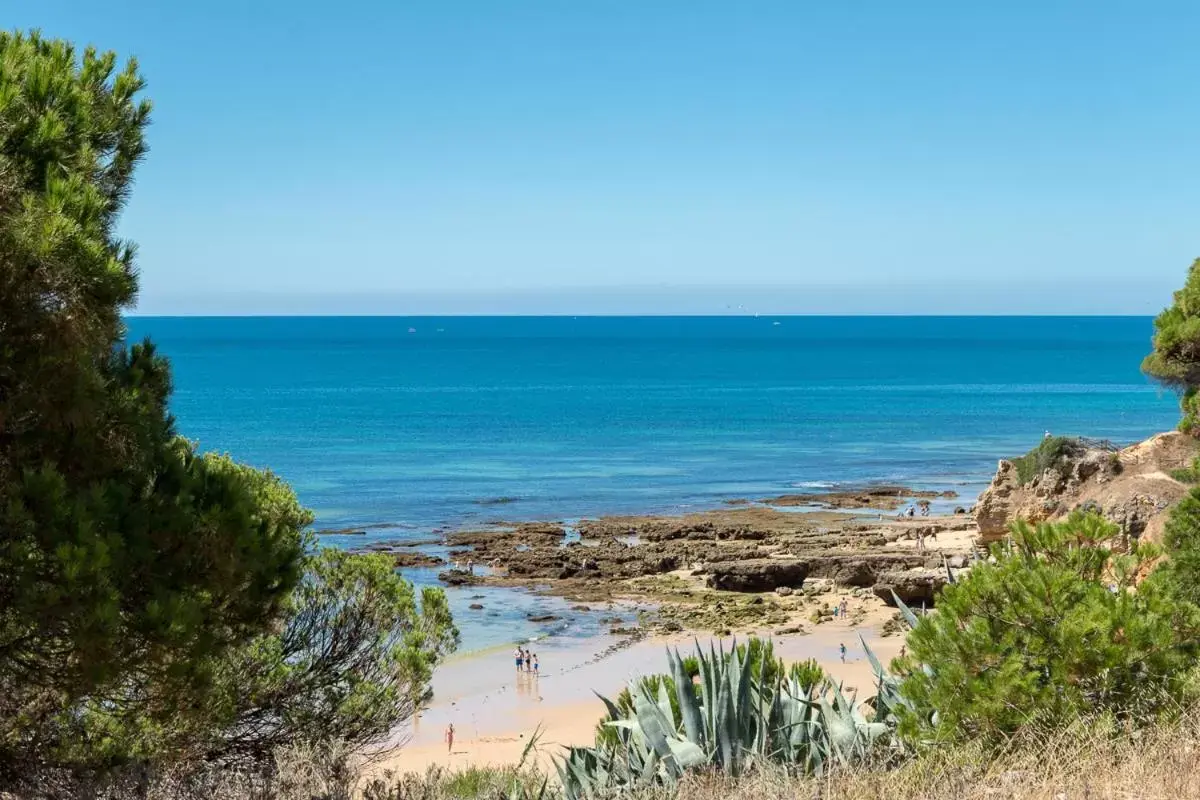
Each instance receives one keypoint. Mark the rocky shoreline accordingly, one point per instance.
(762, 565)
(781, 563)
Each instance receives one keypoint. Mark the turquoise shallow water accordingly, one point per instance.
(424, 423)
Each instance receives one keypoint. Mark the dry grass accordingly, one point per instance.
(1087, 762)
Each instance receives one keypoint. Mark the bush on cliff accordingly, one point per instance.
(1049, 453)
(1174, 359)
(1054, 627)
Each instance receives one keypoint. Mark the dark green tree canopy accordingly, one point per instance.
(1175, 358)
(128, 559)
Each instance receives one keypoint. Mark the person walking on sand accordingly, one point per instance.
(519, 657)
(535, 664)
(449, 738)
(842, 647)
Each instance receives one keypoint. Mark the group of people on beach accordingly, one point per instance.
(526, 661)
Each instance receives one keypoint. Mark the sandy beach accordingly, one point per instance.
(496, 710)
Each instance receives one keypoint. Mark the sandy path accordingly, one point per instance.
(495, 710)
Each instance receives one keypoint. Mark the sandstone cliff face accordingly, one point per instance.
(1132, 487)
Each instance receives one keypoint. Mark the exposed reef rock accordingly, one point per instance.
(913, 587)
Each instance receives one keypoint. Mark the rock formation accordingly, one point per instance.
(1132, 487)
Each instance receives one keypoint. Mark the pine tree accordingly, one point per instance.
(1053, 628)
(128, 560)
(1174, 360)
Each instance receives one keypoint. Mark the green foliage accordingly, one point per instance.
(1050, 628)
(759, 653)
(1174, 359)
(354, 660)
(1188, 474)
(806, 673)
(735, 717)
(131, 563)
(1048, 454)
(1181, 538)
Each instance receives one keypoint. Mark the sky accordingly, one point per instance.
(505, 156)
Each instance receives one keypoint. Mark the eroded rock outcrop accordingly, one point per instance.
(1132, 487)
(758, 575)
(913, 587)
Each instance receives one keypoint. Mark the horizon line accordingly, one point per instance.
(632, 315)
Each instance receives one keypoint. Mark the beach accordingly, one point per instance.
(495, 711)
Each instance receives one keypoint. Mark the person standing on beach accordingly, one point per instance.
(535, 664)
(449, 738)
(519, 657)
(842, 647)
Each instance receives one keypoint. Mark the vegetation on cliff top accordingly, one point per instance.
(1048, 454)
(1174, 359)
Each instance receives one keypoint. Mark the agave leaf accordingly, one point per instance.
(725, 726)
(689, 707)
(650, 724)
(905, 611)
(664, 706)
(873, 730)
(687, 754)
(949, 572)
(649, 768)
(840, 729)
(871, 657)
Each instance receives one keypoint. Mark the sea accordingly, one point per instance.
(406, 427)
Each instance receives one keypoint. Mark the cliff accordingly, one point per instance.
(1133, 486)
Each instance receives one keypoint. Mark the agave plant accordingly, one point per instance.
(730, 719)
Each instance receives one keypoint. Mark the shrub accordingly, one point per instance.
(1188, 474)
(1181, 539)
(1049, 453)
(353, 661)
(1052, 628)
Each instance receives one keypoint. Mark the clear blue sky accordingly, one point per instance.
(575, 156)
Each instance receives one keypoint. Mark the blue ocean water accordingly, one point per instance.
(421, 424)
(431, 422)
